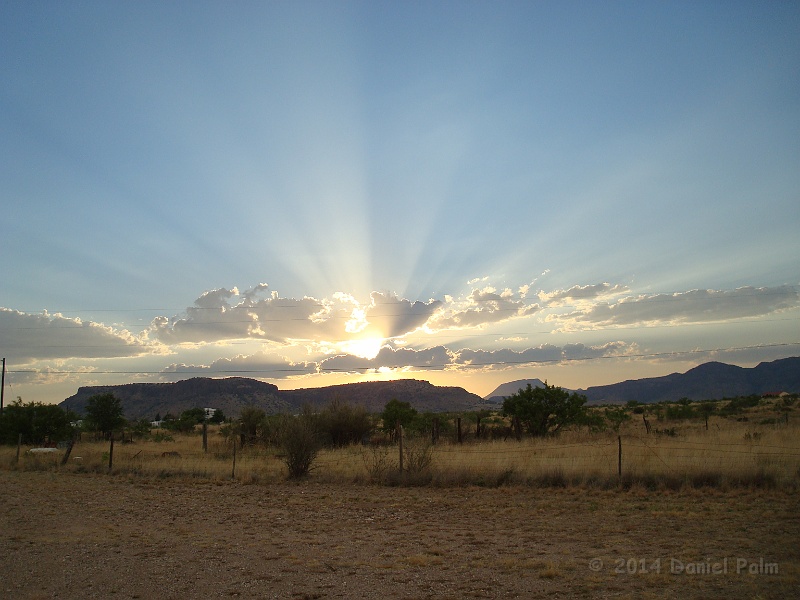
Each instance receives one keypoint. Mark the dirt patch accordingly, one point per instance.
(93, 536)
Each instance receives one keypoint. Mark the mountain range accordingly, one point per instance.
(709, 381)
(232, 394)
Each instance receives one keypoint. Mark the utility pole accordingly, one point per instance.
(3, 387)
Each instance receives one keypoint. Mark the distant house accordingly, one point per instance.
(156, 424)
(210, 413)
(774, 394)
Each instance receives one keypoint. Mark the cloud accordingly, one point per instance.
(436, 358)
(50, 375)
(546, 353)
(394, 316)
(258, 365)
(696, 306)
(28, 337)
(580, 293)
(441, 358)
(214, 318)
(481, 307)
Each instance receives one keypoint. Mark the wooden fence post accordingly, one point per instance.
(233, 470)
(458, 425)
(111, 454)
(400, 440)
(205, 436)
(435, 430)
(619, 460)
(19, 445)
(68, 452)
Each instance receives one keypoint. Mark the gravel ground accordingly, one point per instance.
(91, 536)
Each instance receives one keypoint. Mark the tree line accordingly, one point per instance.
(538, 411)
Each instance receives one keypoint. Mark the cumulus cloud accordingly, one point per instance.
(437, 358)
(546, 353)
(49, 374)
(696, 306)
(224, 314)
(441, 358)
(259, 364)
(393, 316)
(28, 337)
(482, 307)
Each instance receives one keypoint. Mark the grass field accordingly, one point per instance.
(730, 452)
(697, 513)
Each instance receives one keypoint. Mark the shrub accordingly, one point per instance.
(378, 461)
(300, 442)
(341, 424)
(417, 455)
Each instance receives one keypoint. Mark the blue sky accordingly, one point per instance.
(477, 192)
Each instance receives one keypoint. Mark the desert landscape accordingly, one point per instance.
(649, 507)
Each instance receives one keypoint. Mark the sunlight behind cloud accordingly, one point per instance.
(364, 348)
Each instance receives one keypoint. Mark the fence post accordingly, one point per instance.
(619, 460)
(111, 454)
(458, 422)
(19, 445)
(435, 430)
(233, 470)
(205, 436)
(68, 452)
(400, 440)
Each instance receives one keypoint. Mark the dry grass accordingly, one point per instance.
(730, 453)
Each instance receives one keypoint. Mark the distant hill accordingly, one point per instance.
(145, 400)
(511, 388)
(709, 381)
(231, 395)
(373, 395)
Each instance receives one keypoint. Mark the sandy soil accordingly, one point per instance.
(92, 536)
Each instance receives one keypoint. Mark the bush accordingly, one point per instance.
(417, 455)
(38, 423)
(341, 424)
(379, 462)
(300, 442)
(736, 405)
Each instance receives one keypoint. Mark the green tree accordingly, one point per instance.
(187, 421)
(341, 424)
(252, 423)
(683, 409)
(706, 409)
(38, 423)
(397, 412)
(217, 417)
(545, 410)
(104, 413)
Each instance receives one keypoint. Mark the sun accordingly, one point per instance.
(365, 348)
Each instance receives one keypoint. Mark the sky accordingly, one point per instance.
(469, 193)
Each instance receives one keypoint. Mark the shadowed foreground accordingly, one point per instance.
(92, 536)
